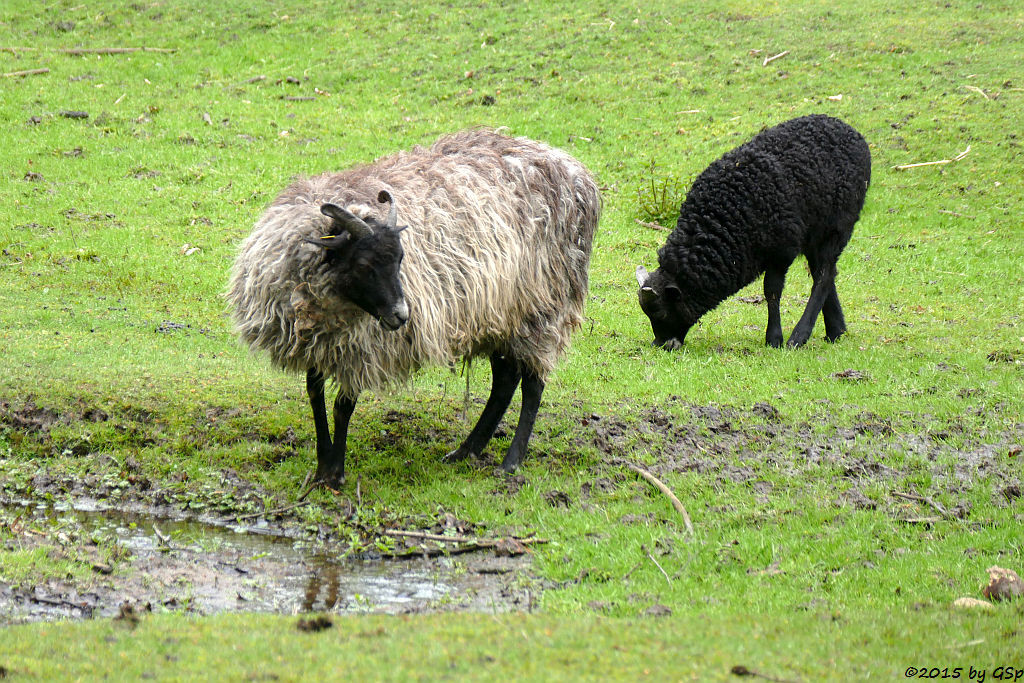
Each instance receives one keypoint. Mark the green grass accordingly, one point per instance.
(498, 647)
(187, 147)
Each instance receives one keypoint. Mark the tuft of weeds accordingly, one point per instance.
(659, 195)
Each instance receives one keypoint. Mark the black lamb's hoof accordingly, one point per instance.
(458, 455)
(797, 340)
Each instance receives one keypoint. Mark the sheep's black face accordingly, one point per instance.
(662, 301)
(367, 256)
(369, 277)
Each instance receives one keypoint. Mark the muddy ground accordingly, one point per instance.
(148, 545)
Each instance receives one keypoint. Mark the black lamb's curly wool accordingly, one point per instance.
(797, 188)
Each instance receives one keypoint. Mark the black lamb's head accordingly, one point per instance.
(366, 255)
(663, 302)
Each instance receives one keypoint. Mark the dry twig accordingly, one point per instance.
(112, 50)
(740, 670)
(463, 544)
(924, 499)
(664, 573)
(27, 72)
(165, 540)
(479, 541)
(958, 157)
(652, 226)
(974, 88)
(661, 487)
(769, 60)
(268, 513)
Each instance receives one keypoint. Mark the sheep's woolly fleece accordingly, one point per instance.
(795, 188)
(497, 252)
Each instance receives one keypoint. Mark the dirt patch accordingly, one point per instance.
(182, 564)
(225, 545)
(28, 418)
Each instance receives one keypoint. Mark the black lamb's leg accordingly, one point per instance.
(835, 323)
(331, 468)
(504, 380)
(824, 283)
(315, 390)
(774, 279)
(533, 388)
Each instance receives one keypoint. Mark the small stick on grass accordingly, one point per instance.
(165, 540)
(652, 226)
(924, 499)
(769, 60)
(974, 88)
(480, 541)
(663, 572)
(740, 670)
(268, 513)
(312, 485)
(636, 566)
(112, 50)
(27, 72)
(661, 487)
(958, 157)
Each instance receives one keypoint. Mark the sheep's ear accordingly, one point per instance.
(673, 293)
(642, 276)
(329, 241)
(384, 197)
(346, 220)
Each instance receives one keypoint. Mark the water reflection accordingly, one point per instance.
(213, 567)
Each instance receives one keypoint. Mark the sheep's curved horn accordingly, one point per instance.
(641, 275)
(384, 197)
(348, 221)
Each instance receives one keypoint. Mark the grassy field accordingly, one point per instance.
(129, 178)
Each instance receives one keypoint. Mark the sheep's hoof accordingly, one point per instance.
(458, 455)
(331, 478)
(511, 462)
(672, 345)
(833, 338)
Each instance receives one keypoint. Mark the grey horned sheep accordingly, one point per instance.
(797, 188)
(477, 245)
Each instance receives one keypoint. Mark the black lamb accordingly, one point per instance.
(797, 188)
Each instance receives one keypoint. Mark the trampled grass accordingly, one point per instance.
(119, 225)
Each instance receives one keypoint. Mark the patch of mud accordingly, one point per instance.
(281, 563)
(183, 564)
(735, 445)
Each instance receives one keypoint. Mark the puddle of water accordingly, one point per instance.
(208, 567)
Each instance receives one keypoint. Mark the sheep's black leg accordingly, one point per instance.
(824, 283)
(774, 279)
(331, 469)
(533, 387)
(315, 390)
(504, 380)
(835, 323)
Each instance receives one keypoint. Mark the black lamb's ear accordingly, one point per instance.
(673, 293)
